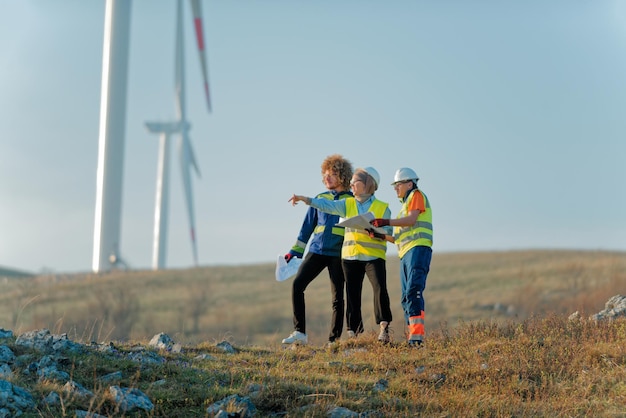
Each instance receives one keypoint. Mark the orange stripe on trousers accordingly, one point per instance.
(416, 326)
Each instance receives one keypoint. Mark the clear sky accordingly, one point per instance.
(513, 114)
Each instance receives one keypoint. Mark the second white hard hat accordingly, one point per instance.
(404, 174)
(372, 172)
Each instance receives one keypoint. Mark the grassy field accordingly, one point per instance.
(246, 305)
(499, 342)
(540, 367)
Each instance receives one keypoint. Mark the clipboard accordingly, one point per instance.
(362, 222)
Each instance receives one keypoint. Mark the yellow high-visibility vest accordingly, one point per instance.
(420, 233)
(357, 241)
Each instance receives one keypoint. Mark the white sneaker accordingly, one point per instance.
(351, 334)
(332, 344)
(383, 337)
(296, 337)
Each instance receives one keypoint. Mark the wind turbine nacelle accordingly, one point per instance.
(168, 127)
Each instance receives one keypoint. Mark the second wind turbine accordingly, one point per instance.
(181, 128)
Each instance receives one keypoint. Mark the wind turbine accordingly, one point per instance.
(181, 127)
(107, 226)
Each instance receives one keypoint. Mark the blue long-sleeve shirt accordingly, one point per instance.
(324, 242)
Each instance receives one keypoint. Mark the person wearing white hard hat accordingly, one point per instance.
(324, 239)
(413, 234)
(361, 253)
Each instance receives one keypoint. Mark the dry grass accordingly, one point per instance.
(539, 367)
(499, 343)
(247, 306)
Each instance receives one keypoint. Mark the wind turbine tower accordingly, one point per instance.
(181, 128)
(165, 131)
(106, 251)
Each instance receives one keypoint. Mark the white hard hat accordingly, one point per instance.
(404, 174)
(372, 172)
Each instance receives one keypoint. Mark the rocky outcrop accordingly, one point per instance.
(50, 360)
(613, 308)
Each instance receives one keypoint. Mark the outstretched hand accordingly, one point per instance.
(296, 198)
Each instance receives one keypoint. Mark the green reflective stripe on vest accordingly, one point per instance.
(357, 241)
(337, 230)
(299, 247)
(419, 234)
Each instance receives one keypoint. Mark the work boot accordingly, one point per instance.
(416, 344)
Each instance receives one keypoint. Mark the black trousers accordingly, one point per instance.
(354, 272)
(311, 267)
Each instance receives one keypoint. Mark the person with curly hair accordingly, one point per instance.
(324, 251)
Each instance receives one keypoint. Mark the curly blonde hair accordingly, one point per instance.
(339, 166)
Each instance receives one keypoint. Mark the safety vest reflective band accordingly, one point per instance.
(299, 247)
(337, 230)
(357, 241)
(416, 327)
(421, 233)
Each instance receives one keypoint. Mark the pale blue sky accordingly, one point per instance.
(512, 113)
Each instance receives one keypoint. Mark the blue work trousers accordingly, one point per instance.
(414, 268)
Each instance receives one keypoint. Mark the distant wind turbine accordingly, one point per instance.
(181, 127)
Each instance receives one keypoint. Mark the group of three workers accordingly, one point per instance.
(350, 254)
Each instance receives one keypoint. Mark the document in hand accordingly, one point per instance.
(361, 221)
(286, 270)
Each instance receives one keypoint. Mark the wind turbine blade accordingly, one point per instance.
(186, 160)
(179, 64)
(197, 22)
(192, 157)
